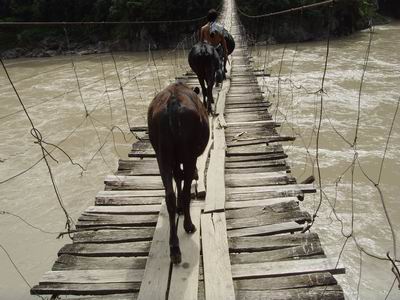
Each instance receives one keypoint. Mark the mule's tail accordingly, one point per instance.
(174, 122)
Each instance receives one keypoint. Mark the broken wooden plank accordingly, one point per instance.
(262, 202)
(129, 290)
(98, 220)
(124, 210)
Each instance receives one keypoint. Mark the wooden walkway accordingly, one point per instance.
(250, 243)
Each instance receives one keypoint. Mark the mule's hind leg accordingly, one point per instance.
(170, 200)
(203, 90)
(210, 98)
(188, 173)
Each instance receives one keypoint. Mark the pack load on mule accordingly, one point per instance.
(179, 133)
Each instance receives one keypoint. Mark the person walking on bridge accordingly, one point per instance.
(212, 33)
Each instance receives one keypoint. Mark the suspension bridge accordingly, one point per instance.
(252, 240)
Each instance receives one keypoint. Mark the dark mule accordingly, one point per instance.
(208, 66)
(178, 132)
(230, 42)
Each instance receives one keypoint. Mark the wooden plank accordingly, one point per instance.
(267, 219)
(262, 202)
(258, 179)
(114, 235)
(286, 282)
(249, 123)
(125, 210)
(264, 212)
(333, 292)
(215, 197)
(217, 269)
(92, 276)
(309, 251)
(254, 150)
(142, 149)
(254, 164)
(286, 268)
(74, 262)
(305, 188)
(138, 167)
(106, 289)
(253, 159)
(122, 200)
(266, 229)
(185, 276)
(120, 182)
(96, 220)
(257, 169)
(155, 279)
(119, 249)
(274, 242)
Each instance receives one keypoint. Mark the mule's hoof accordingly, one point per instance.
(176, 256)
(190, 228)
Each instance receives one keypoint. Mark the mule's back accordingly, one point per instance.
(203, 58)
(178, 122)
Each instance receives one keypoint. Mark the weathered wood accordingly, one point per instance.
(258, 179)
(253, 164)
(286, 268)
(305, 188)
(250, 123)
(217, 269)
(96, 220)
(185, 276)
(251, 160)
(265, 219)
(155, 279)
(106, 289)
(266, 229)
(93, 276)
(259, 149)
(215, 197)
(138, 167)
(274, 242)
(124, 210)
(114, 236)
(120, 249)
(75, 262)
(262, 202)
(142, 149)
(286, 282)
(309, 251)
(119, 182)
(333, 292)
(128, 200)
(265, 211)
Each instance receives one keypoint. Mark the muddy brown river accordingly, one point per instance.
(49, 88)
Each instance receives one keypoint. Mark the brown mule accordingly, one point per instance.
(178, 132)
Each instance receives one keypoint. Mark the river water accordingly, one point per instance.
(49, 88)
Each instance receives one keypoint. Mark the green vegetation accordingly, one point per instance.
(134, 36)
(343, 17)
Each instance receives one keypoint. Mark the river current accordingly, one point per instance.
(49, 88)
